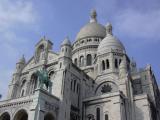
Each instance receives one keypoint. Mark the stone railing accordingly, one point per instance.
(17, 101)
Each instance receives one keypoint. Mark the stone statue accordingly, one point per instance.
(43, 77)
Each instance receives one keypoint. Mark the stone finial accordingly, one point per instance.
(93, 16)
(109, 29)
(22, 59)
(133, 62)
(148, 67)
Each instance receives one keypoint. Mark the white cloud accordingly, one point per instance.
(15, 15)
(13, 12)
(136, 19)
(139, 25)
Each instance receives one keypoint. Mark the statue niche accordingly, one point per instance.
(40, 53)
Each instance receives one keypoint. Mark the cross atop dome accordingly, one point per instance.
(93, 16)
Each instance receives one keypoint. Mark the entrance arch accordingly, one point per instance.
(21, 115)
(49, 116)
(5, 116)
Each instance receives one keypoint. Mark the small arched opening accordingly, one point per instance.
(81, 61)
(107, 64)
(49, 116)
(5, 116)
(89, 59)
(75, 61)
(21, 115)
(98, 114)
(103, 65)
(40, 51)
(116, 63)
(106, 117)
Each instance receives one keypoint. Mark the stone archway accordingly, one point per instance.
(5, 116)
(49, 116)
(21, 115)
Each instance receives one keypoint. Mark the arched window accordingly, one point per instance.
(107, 64)
(81, 61)
(21, 115)
(33, 83)
(41, 51)
(41, 48)
(98, 114)
(89, 59)
(75, 61)
(5, 116)
(23, 83)
(116, 63)
(106, 117)
(22, 88)
(103, 65)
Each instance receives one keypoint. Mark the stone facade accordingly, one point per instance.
(92, 79)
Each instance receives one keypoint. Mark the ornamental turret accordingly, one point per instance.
(66, 48)
(65, 57)
(20, 64)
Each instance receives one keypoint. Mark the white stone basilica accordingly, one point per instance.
(92, 79)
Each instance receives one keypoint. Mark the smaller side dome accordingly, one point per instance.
(66, 42)
(109, 42)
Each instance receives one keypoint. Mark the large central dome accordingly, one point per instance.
(92, 29)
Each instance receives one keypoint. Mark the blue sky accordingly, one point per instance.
(23, 22)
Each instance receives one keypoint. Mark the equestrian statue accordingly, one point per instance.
(43, 77)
